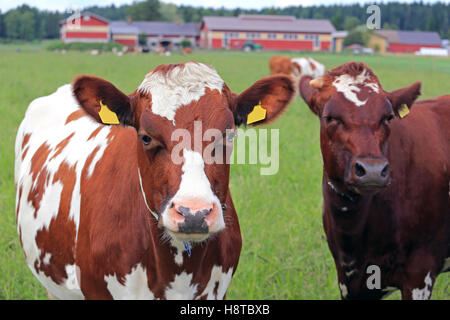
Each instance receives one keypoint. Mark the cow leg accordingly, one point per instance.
(419, 277)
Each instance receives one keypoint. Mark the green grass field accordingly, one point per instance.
(284, 255)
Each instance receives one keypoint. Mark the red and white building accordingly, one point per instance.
(409, 41)
(272, 32)
(86, 27)
(89, 27)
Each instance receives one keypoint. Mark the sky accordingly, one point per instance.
(63, 5)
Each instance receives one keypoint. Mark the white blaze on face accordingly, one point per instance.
(349, 86)
(195, 185)
(179, 87)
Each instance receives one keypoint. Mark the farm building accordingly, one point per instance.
(89, 27)
(270, 31)
(166, 34)
(86, 27)
(338, 41)
(384, 41)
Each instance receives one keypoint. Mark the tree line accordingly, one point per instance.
(27, 23)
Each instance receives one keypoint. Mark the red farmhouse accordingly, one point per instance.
(409, 41)
(270, 31)
(86, 27)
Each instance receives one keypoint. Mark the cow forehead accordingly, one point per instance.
(174, 86)
(352, 87)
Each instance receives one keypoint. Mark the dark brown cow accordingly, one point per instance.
(122, 211)
(385, 182)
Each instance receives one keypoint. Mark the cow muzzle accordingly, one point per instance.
(368, 175)
(193, 219)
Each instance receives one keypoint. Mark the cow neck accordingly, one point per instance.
(348, 210)
(142, 170)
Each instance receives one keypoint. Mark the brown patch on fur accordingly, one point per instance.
(18, 202)
(26, 139)
(59, 239)
(280, 64)
(95, 133)
(40, 175)
(76, 115)
(60, 147)
(24, 153)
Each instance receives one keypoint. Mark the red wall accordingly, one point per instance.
(126, 42)
(92, 35)
(325, 45)
(274, 44)
(399, 47)
(216, 43)
(92, 22)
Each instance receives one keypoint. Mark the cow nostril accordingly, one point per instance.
(359, 170)
(385, 171)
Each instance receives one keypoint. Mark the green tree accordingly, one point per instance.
(354, 37)
(147, 10)
(169, 12)
(337, 22)
(142, 39)
(351, 23)
(12, 24)
(27, 24)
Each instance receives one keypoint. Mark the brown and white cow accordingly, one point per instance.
(296, 67)
(385, 182)
(103, 211)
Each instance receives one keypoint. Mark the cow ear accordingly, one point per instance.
(264, 101)
(308, 92)
(103, 101)
(404, 96)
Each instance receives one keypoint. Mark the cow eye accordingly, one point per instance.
(146, 140)
(332, 120)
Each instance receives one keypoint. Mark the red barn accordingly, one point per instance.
(85, 27)
(409, 41)
(272, 32)
(88, 27)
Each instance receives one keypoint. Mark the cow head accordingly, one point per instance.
(186, 196)
(355, 119)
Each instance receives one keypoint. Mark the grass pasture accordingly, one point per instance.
(285, 255)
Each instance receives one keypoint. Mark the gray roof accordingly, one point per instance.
(339, 34)
(268, 23)
(152, 27)
(123, 27)
(410, 37)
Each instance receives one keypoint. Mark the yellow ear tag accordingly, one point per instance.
(258, 114)
(106, 115)
(403, 111)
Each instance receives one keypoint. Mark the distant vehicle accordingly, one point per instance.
(250, 46)
(359, 49)
(145, 49)
(433, 52)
